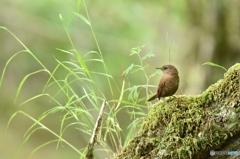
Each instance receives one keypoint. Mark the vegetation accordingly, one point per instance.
(78, 111)
(59, 72)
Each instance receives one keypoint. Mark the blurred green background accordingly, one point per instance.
(193, 32)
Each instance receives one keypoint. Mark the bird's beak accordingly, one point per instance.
(159, 68)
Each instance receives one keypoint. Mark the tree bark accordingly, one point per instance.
(191, 126)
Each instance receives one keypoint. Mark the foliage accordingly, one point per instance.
(81, 110)
(214, 65)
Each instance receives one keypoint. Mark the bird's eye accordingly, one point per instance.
(164, 68)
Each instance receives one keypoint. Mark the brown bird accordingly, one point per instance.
(168, 84)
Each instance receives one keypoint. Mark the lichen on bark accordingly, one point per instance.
(190, 126)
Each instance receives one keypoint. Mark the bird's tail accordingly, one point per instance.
(152, 98)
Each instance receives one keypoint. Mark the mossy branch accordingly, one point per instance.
(190, 126)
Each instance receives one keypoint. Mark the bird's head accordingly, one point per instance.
(168, 69)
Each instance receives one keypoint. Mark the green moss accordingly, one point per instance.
(189, 126)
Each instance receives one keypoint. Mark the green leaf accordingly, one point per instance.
(150, 54)
(136, 50)
(82, 17)
(79, 5)
(128, 69)
(157, 72)
(213, 64)
(133, 94)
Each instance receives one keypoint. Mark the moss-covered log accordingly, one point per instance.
(191, 126)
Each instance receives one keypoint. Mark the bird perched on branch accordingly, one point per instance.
(168, 84)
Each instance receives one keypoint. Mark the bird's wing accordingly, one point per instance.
(160, 88)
